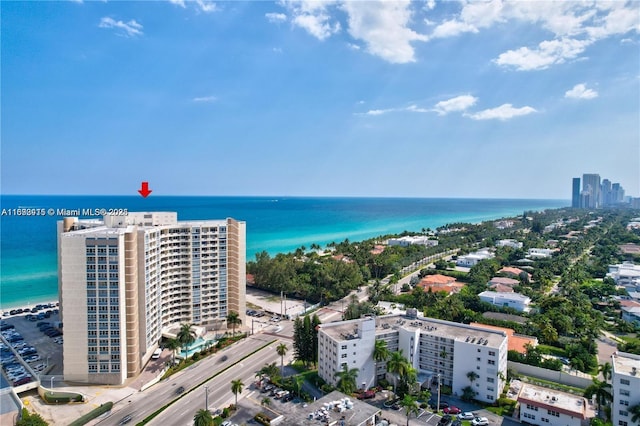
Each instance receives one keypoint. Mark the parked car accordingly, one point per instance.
(446, 420)
(368, 394)
(467, 415)
(452, 410)
(433, 402)
(480, 421)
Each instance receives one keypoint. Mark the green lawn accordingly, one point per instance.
(552, 350)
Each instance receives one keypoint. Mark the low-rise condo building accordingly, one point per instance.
(436, 348)
(625, 387)
(125, 280)
(516, 301)
(412, 240)
(472, 259)
(547, 407)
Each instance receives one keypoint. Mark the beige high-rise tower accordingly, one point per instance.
(125, 280)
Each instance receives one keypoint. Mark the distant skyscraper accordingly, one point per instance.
(127, 281)
(617, 193)
(575, 193)
(605, 189)
(591, 190)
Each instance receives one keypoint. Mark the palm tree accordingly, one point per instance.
(380, 353)
(172, 344)
(236, 388)
(472, 376)
(282, 351)
(298, 381)
(234, 319)
(635, 411)
(602, 392)
(410, 406)
(397, 365)
(269, 370)
(203, 418)
(186, 336)
(347, 379)
(265, 401)
(606, 370)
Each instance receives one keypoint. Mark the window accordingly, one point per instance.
(624, 392)
(478, 359)
(479, 350)
(622, 423)
(623, 413)
(553, 413)
(625, 382)
(529, 416)
(343, 347)
(623, 402)
(531, 407)
(343, 356)
(490, 397)
(544, 420)
(491, 362)
(490, 380)
(492, 353)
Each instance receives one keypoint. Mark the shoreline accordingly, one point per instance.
(29, 305)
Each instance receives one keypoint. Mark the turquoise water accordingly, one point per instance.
(196, 346)
(28, 262)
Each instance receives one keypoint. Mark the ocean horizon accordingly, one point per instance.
(275, 224)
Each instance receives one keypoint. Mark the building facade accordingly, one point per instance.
(591, 195)
(124, 280)
(435, 348)
(516, 301)
(547, 407)
(575, 193)
(625, 387)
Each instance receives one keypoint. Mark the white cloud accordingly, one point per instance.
(503, 112)
(415, 108)
(312, 16)
(178, 3)
(452, 28)
(379, 111)
(459, 103)
(353, 46)
(275, 18)
(207, 6)
(430, 4)
(580, 91)
(384, 28)
(205, 99)
(128, 29)
(548, 53)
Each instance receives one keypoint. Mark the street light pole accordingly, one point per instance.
(52, 377)
(206, 397)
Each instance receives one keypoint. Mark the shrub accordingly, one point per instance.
(263, 419)
(225, 413)
(93, 414)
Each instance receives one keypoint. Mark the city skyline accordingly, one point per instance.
(400, 99)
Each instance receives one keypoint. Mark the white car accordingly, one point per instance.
(466, 416)
(480, 421)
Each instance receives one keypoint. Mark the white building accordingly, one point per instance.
(433, 347)
(625, 387)
(124, 280)
(472, 259)
(412, 240)
(540, 253)
(547, 407)
(626, 274)
(509, 243)
(631, 314)
(516, 301)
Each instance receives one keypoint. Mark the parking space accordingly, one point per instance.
(31, 341)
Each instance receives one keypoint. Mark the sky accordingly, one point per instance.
(486, 99)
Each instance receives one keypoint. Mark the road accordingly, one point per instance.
(140, 405)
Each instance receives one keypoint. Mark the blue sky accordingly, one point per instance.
(333, 98)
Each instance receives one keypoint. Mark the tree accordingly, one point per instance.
(186, 336)
(472, 376)
(281, 349)
(602, 392)
(397, 365)
(635, 413)
(172, 344)
(380, 352)
(234, 319)
(606, 370)
(203, 418)
(236, 388)
(347, 379)
(269, 370)
(468, 393)
(266, 401)
(410, 406)
(30, 419)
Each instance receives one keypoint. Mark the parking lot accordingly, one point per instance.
(28, 343)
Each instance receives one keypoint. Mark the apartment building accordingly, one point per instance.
(472, 259)
(124, 280)
(433, 347)
(516, 301)
(625, 387)
(547, 407)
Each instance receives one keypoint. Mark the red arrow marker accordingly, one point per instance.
(144, 189)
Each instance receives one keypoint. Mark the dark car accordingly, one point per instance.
(180, 390)
(126, 419)
(446, 420)
(433, 402)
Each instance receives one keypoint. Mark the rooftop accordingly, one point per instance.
(561, 402)
(515, 342)
(504, 281)
(510, 296)
(332, 408)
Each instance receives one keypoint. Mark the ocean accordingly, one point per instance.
(28, 258)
